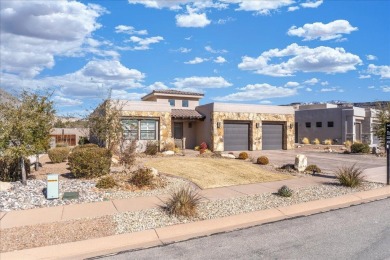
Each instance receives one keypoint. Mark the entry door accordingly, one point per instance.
(358, 131)
(178, 130)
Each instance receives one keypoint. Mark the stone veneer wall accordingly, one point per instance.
(255, 135)
(164, 123)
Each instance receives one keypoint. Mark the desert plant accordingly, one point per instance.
(58, 155)
(348, 144)
(196, 148)
(305, 140)
(313, 168)
(128, 154)
(142, 177)
(243, 156)
(107, 182)
(328, 142)
(177, 150)
(151, 148)
(351, 176)
(10, 170)
(288, 167)
(62, 144)
(90, 162)
(203, 146)
(316, 141)
(285, 191)
(85, 146)
(183, 202)
(360, 148)
(263, 160)
(169, 146)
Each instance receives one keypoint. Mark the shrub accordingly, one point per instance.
(351, 176)
(203, 146)
(360, 148)
(196, 148)
(169, 146)
(316, 141)
(142, 177)
(128, 154)
(313, 168)
(305, 140)
(106, 183)
(85, 146)
(288, 167)
(285, 191)
(348, 144)
(183, 202)
(177, 150)
(328, 142)
(58, 155)
(61, 144)
(9, 168)
(263, 160)
(243, 156)
(83, 140)
(151, 148)
(90, 162)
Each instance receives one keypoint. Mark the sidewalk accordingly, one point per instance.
(36, 216)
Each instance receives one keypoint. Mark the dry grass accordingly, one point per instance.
(211, 173)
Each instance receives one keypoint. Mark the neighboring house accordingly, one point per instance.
(70, 136)
(329, 121)
(164, 115)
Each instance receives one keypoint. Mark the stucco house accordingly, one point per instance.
(329, 121)
(164, 115)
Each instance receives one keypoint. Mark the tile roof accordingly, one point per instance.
(177, 92)
(186, 113)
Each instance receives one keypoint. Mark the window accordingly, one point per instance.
(330, 124)
(308, 124)
(184, 103)
(138, 129)
(171, 102)
(318, 124)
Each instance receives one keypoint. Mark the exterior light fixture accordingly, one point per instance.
(257, 125)
(291, 126)
(218, 124)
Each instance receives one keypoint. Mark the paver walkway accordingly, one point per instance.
(70, 212)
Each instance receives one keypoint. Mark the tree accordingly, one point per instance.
(25, 127)
(383, 117)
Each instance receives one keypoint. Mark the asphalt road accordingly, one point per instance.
(358, 232)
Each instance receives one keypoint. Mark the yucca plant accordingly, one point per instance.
(351, 176)
(285, 191)
(183, 202)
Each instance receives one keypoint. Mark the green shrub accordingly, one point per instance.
(351, 176)
(183, 202)
(62, 144)
(142, 177)
(151, 148)
(243, 156)
(9, 168)
(83, 146)
(90, 162)
(83, 140)
(313, 168)
(285, 191)
(263, 160)
(58, 154)
(107, 182)
(360, 148)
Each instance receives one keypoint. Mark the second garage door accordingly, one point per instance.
(272, 136)
(236, 136)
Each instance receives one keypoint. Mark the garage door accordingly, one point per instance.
(236, 136)
(272, 137)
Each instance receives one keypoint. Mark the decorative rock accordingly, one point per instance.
(168, 153)
(328, 150)
(114, 160)
(154, 172)
(300, 162)
(227, 155)
(5, 186)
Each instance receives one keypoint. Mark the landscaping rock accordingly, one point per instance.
(300, 162)
(5, 186)
(228, 156)
(168, 153)
(154, 172)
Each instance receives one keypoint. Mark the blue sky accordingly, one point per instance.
(261, 52)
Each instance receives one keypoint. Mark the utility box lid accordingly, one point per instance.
(52, 189)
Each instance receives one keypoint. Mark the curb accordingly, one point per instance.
(165, 235)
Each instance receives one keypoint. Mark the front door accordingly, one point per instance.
(358, 131)
(178, 130)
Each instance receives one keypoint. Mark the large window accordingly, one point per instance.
(184, 103)
(139, 129)
(171, 102)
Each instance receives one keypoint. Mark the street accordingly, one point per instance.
(358, 232)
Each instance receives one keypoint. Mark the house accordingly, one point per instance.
(329, 121)
(68, 136)
(168, 115)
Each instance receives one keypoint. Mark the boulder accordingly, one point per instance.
(300, 162)
(154, 171)
(227, 155)
(5, 186)
(168, 153)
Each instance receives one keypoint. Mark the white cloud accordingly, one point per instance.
(188, 38)
(332, 89)
(364, 76)
(211, 50)
(324, 32)
(220, 59)
(309, 90)
(292, 8)
(143, 43)
(63, 101)
(157, 85)
(383, 71)
(291, 84)
(305, 59)
(123, 94)
(311, 81)
(324, 83)
(226, 20)
(159, 4)
(196, 60)
(311, 4)
(183, 50)
(129, 30)
(192, 20)
(265, 102)
(34, 32)
(385, 88)
(201, 82)
(258, 92)
(371, 57)
(260, 7)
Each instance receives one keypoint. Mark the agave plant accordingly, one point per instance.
(285, 191)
